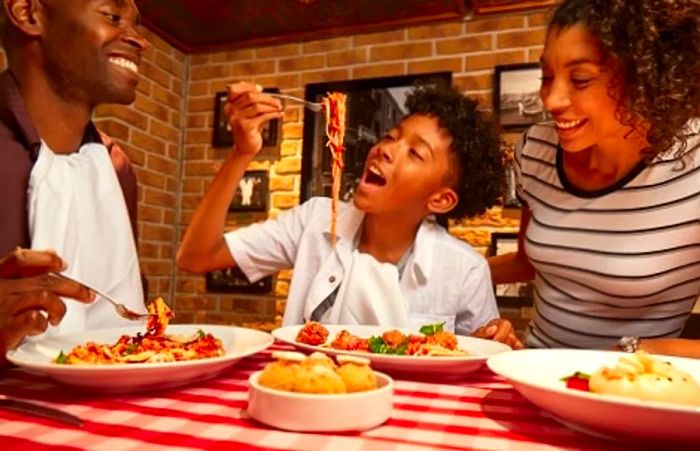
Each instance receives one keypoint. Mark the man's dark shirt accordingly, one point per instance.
(19, 149)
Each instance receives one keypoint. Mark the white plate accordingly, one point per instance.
(306, 412)
(451, 366)
(536, 374)
(237, 342)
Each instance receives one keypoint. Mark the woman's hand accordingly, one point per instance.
(30, 295)
(249, 110)
(501, 330)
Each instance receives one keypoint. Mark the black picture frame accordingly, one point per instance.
(233, 280)
(222, 136)
(516, 95)
(252, 192)
(511, 295)
(372, 109)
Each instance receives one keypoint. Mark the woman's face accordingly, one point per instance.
(574, 90)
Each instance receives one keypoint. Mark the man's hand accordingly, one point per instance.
(249, 110)
(499, 330)
(30, 295)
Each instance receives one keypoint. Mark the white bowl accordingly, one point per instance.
(321, 413)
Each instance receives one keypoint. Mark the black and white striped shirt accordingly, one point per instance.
(620, 261)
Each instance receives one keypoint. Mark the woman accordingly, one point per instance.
(611, 226)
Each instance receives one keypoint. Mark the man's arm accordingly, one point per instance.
(30, 295)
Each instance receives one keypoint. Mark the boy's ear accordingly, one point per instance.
(443, 201)
(25, 15)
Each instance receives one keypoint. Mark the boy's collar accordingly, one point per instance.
(350, 220)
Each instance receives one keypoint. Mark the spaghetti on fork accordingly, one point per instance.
(334, 106)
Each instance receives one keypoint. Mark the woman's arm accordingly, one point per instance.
(203, 247)
(671, 346)
(513, 267)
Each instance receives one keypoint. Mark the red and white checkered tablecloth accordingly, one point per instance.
(480, 411)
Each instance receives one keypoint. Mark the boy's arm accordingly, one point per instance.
(203, 247)
(481, 319)
(479, 302)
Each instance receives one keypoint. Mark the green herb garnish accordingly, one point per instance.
(377, 346)
(432, 329)
(62, 358)
(131, 349)
(201, 334)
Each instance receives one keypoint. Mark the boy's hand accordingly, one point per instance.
(249, 110)
(30, 295)
(499, 330)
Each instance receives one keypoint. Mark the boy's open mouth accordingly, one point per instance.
(374, 177)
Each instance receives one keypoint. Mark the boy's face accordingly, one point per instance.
(408, 170)
(92, 49)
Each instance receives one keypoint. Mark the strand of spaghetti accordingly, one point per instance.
(334, 106)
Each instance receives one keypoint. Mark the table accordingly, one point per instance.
(478, 411)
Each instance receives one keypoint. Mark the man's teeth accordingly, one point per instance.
(569, 124)
(125, 63)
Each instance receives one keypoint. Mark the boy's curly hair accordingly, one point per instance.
(478, 170)
(655, 47)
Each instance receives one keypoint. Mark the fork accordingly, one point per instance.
(121, 309)
(34, 408)
(316, 107)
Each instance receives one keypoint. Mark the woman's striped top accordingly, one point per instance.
(620, 261)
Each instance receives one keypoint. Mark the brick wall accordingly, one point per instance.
(150, 131)
(469, 49)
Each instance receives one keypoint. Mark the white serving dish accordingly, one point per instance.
(309, 412)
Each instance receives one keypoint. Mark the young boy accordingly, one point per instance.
(392, 264)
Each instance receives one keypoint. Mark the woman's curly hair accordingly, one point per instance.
(655, 47)
(478, 173)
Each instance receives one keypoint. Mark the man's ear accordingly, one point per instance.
(443, 201)
(27, 16)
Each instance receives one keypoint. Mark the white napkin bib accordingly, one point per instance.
(76, 207)
(370, 294)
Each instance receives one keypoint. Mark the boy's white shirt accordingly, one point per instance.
(76, 207)
(444, 279)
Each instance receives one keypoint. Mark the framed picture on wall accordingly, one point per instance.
(516, 95)
(232, 280)
(510, 294)
(222, 136)
(252, 192)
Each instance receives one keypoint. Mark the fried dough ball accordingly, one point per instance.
(319, 358)
(281, 375)
(356, 374)
(319, 379)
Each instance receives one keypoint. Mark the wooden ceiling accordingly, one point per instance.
(196, 26)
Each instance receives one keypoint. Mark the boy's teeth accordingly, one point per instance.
(125, 63)
(569, 124)
(375, 171)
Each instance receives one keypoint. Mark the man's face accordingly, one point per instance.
(408, 166)
(92, 49)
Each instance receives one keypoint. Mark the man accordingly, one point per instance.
(64, 186)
